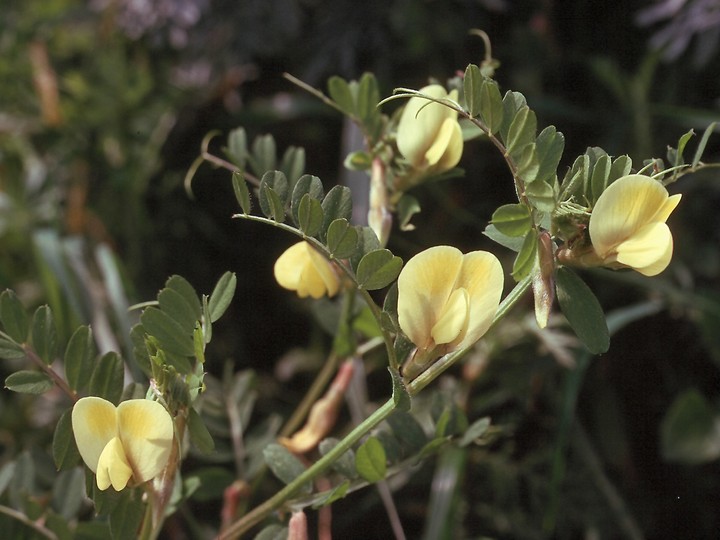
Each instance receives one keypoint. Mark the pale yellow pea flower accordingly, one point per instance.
(303, 269)
(132, 440)
(627, 225)
(447, 301)
(428, 133)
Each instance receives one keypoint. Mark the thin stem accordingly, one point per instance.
(315, 92)
(34, 525)
(312, 395)
(276, 501)
(57, 379)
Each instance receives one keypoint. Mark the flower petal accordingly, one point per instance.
(325, 271)
(94, 422)
(289, 267)
(453, 318)
(667, 208)
(146, 430)
(302, 269)
(447, 148)
(113, 467)
(420, 121)
(454, 149)
(649, 250)
(482, 277)
(424, 286)
(625, 206)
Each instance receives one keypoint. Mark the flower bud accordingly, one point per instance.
(428, 134)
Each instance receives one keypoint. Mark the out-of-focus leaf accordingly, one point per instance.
(69, 492)
(284, 465)
(264, 154)
(476, 430)
(368, 97)
(407, 431)
(378, 269)
(358, 161)
(335, 494)
(370, 460)
(140, 352)
(690, 431)
(273, 532)
(44, 334)
(199, 434)
(29, 382)
(127, 514)
(237, 149)
(211, 483)
(78, 358)
(6, 475)
(107, 377)
(222, 295)
(293, 163)
(341, 94)
(64, 449)
(13, 316)
(583, 311)
(345, 464)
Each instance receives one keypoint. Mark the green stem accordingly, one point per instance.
(276, 501)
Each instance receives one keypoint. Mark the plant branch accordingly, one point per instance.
(276, 501)
(34, 525)
(57, 379)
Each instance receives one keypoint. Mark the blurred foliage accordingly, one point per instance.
(103, 107)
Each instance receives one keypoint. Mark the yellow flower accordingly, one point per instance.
(627, 225)
(301, 268)
(428, 134)
(447, 300)
(132, 440)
